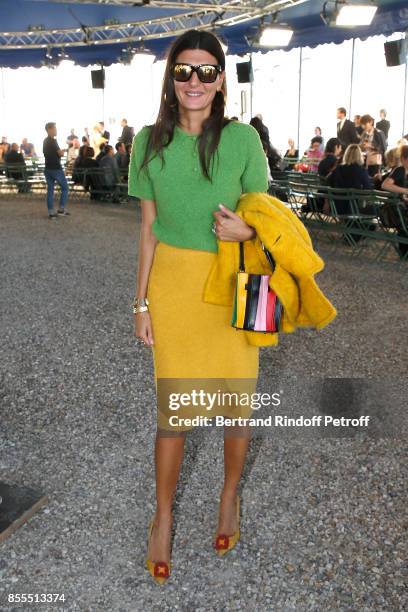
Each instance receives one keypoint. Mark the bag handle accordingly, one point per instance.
(268, 256)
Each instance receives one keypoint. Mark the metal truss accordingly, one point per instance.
(205, 16)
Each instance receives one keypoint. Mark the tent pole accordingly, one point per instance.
(405, 90)
(103, 93)
(299, 97)
(351, 76)
(250, 87)
(3, 98)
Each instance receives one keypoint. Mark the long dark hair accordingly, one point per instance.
(161, 132)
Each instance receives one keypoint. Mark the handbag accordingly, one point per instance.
(256, 306)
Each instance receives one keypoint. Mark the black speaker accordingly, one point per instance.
(395, 52)
(244, 72)
(98, 78)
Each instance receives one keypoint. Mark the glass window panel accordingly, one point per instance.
(326, 77)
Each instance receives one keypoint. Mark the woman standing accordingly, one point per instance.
(318, 132)
(182, 168)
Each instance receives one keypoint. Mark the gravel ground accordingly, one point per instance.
(323, 517)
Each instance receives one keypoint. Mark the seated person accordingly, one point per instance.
(15, 164)
(72, 154)
(292, 154)
(128, 153)
(81, 174)
(4, 147)
(397, 182)
(332, 153)
(351, 174)
(331, 157)
(27, 148)
(111, 174)
(101, 152)
(121, 156)
(314, 154)
(83, 146)
(392, 161)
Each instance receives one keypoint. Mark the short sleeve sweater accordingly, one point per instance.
(185, 199)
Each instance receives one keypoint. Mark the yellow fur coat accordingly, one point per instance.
(296, 263)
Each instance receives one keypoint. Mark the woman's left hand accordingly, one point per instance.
(230, 227)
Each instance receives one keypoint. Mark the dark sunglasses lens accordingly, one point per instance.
(207, 74)
(181, 72)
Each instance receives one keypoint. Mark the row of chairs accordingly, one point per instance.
(89, 181)
(360, 218)
(93, 181)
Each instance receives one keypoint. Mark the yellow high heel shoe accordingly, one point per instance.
(159, 570)
(224, 543)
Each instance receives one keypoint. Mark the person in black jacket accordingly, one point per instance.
(383, 125)
(104, 132)
(397, 182)
(331, 157)
(16, 167)
(127, 133)
(291, 156)
(346, 130)
(271, 153)
(357, 124)
(101, 152)
(264, 129)
(351, 174)
(82, 173)
(13, 157)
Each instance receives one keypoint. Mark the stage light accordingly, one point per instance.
(275, 36)
(356, 15)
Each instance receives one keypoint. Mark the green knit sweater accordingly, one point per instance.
(185, 199)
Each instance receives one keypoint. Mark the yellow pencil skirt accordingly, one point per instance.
(195, 347)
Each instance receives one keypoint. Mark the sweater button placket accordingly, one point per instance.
(195, 155)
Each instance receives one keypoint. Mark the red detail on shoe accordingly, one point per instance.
(221, 543)
(161, 570)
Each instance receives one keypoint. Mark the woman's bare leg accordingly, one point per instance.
(236, 442)
(169, 453)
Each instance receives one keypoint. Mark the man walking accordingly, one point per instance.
(54, 172)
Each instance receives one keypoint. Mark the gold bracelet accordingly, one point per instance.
(137, 309)
(140, 302)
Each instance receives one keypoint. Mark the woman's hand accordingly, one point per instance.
(143, 327)
(230, 227)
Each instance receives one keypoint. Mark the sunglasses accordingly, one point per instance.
(207, 73)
